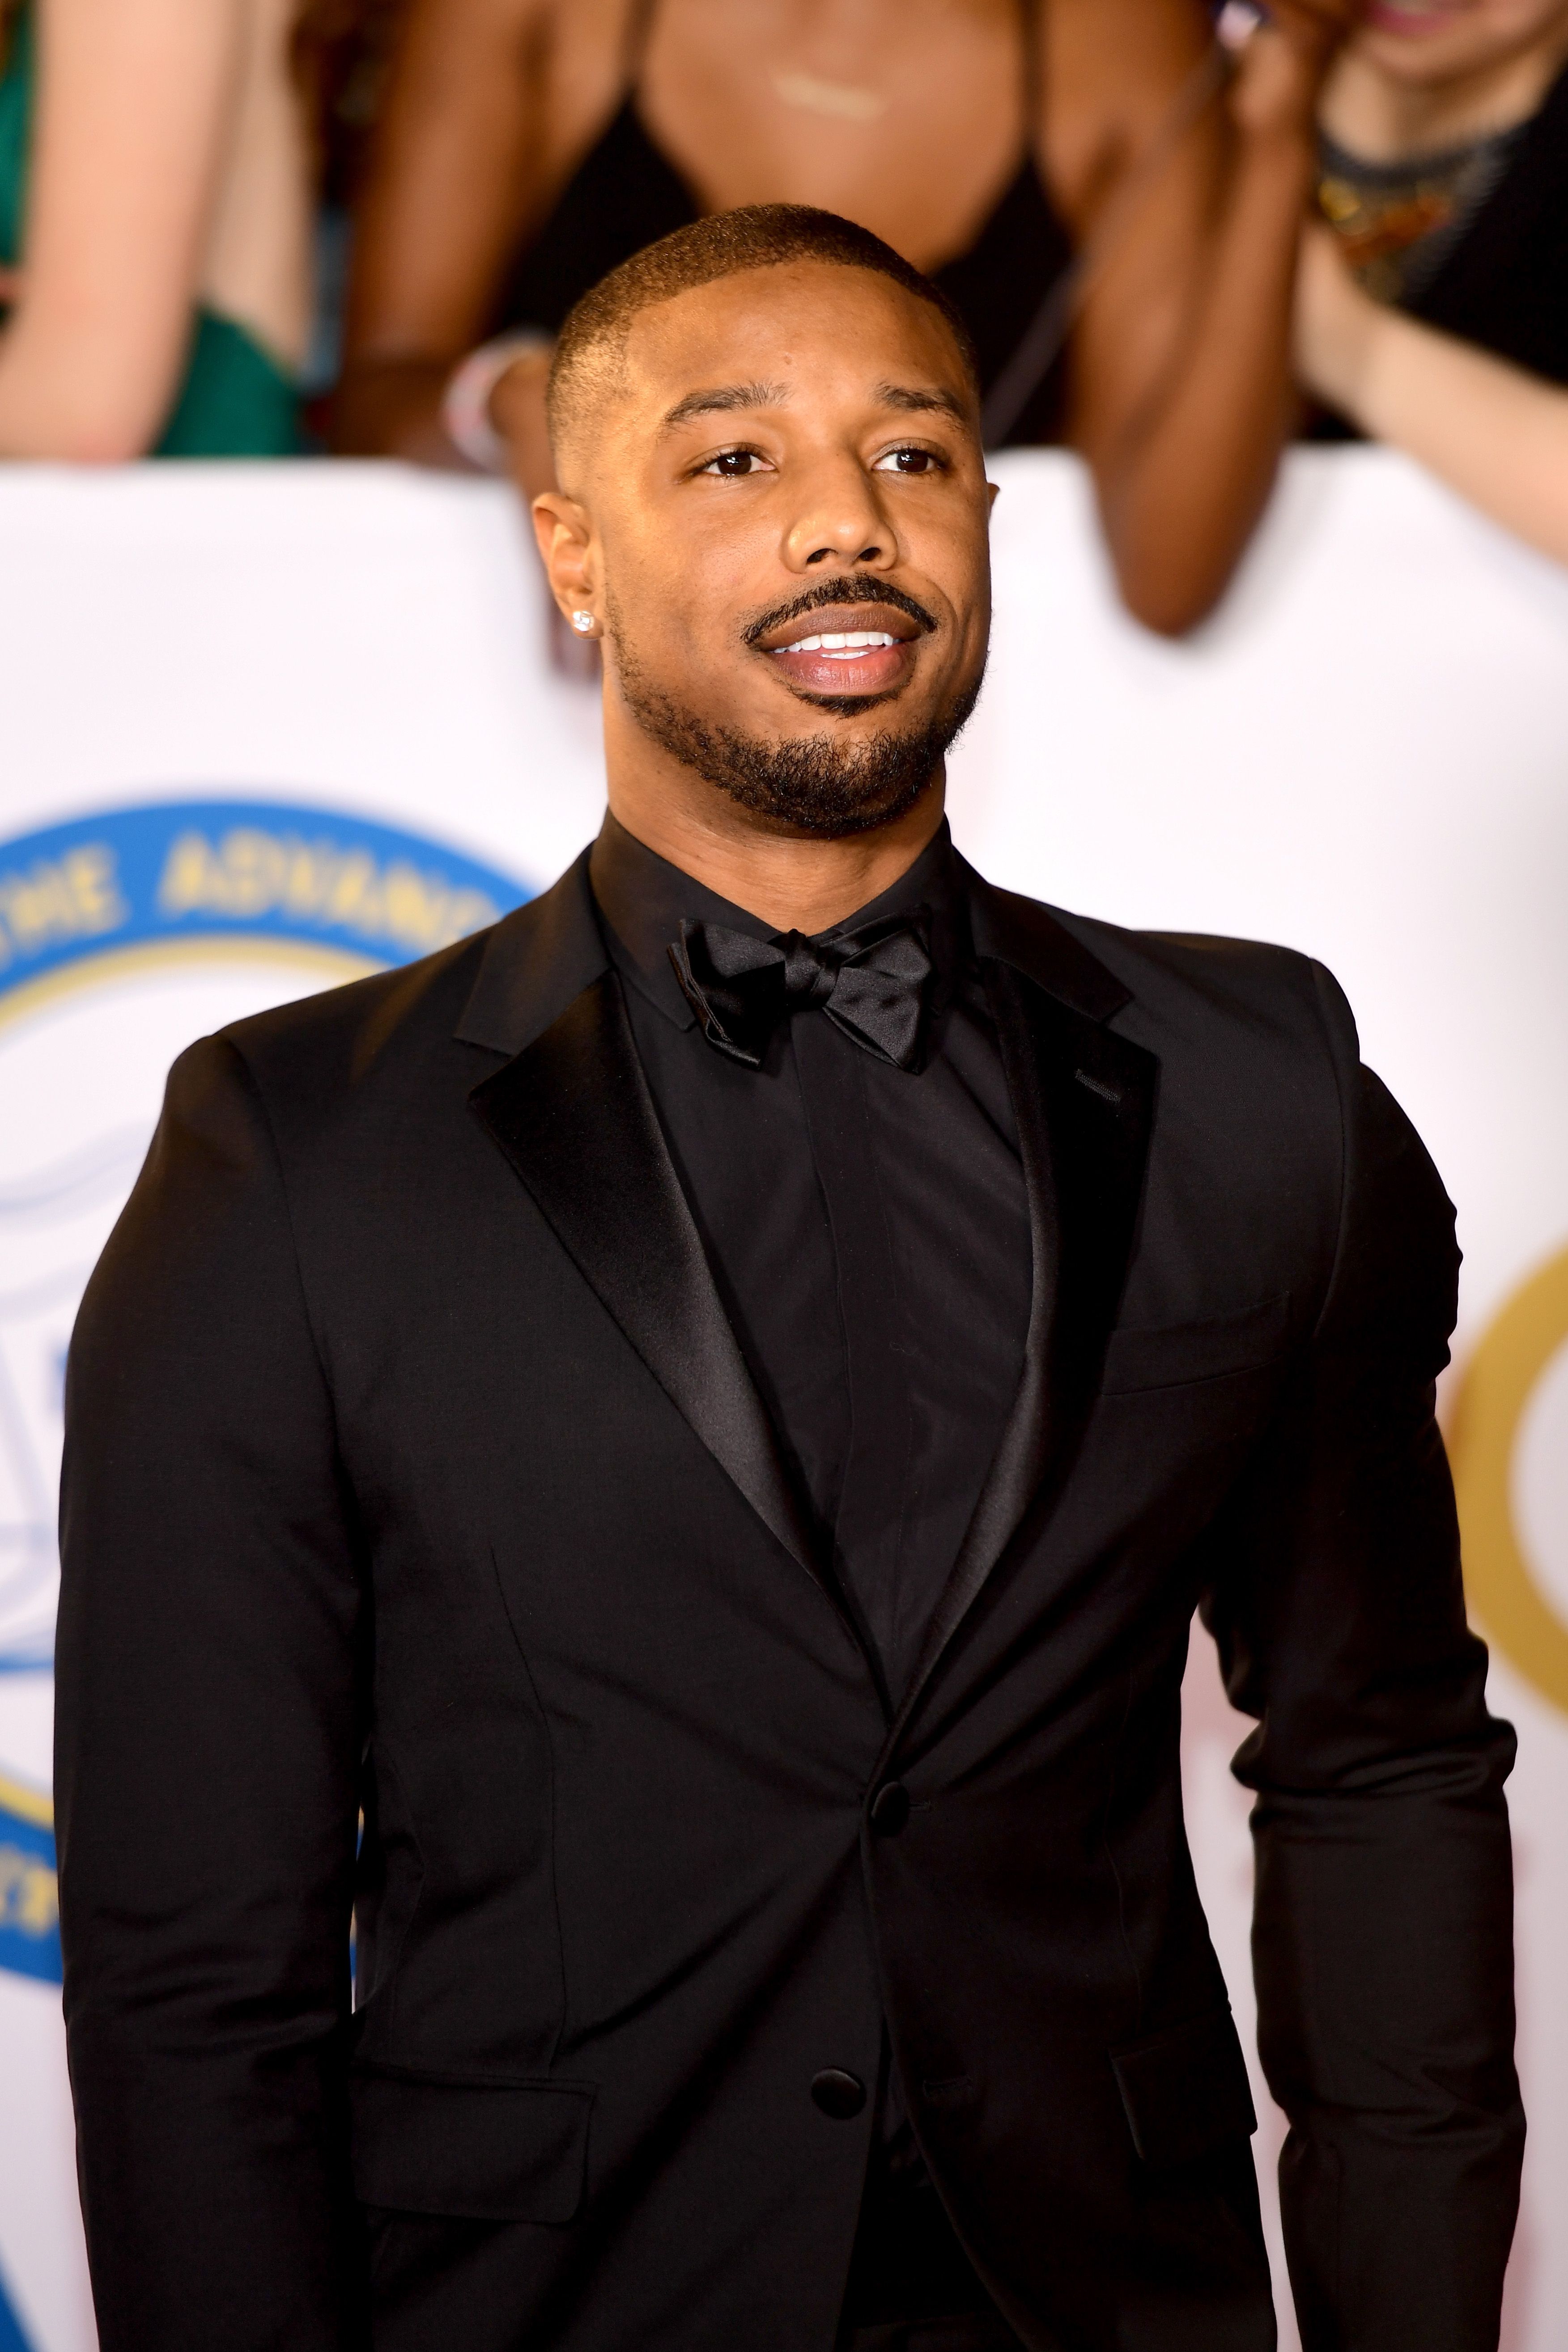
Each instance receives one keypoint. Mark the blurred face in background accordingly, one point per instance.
(1422, 43)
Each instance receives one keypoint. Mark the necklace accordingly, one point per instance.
(841, 101)
(1397, 223)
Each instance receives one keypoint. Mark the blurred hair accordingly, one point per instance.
(754, 237)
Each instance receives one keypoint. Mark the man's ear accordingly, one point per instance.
(565, 537)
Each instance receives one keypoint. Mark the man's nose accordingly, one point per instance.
(840, 521)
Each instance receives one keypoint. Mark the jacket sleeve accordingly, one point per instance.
(206, 1756)
(1383, 1929)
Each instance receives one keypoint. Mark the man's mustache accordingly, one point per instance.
(845, 588)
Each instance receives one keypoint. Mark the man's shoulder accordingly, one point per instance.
(1175, 989)
(1199, 975)
(334, 1040)
(445, 1018)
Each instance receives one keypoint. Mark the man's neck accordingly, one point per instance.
(791, 881)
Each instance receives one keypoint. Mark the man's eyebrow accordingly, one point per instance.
(725, 396)
(915, 398)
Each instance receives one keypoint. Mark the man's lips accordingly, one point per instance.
(847, 649)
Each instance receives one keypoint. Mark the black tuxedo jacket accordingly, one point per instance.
(413, 1468)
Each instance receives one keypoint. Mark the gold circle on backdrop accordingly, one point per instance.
(1502, 1376)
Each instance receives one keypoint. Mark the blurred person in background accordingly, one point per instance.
(156, 194)
(528, 146)
(342, 57)
(1433, 309)
(155, 209)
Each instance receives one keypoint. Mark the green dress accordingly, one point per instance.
(234, 401)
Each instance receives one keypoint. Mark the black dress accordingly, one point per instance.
(625, 193)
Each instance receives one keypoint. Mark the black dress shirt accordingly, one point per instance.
(867, 1227)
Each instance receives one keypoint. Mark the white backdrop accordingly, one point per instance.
(339, 672)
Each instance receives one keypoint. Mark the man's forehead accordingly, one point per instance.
(914, 399)
(773, 337)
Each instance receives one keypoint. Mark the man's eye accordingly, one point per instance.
(908, 461)
(732, 465)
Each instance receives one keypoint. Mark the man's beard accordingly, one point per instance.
(811, 782)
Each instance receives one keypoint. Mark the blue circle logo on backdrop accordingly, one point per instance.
(190, 870)
(122, 936)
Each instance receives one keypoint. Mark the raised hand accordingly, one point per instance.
(1283, 54)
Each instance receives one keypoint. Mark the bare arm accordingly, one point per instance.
(456, 173)
(1494, 432)
(134, 102)
(1181, 365)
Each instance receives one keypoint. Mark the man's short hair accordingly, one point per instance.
(753, 236)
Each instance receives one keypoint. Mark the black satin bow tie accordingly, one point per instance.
(871, 983)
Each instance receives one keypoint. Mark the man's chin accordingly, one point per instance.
(820, 784)
(819, 815)
(812, 784)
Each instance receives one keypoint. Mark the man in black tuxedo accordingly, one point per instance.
(704, 1413)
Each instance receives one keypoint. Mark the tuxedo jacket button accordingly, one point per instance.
(838, 2093)
(890, 1809)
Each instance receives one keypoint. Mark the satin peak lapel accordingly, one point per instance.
(574, 1115)
(1084, 1101)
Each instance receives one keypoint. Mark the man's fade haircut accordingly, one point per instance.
(753, 236)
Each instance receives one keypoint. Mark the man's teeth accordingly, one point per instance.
(842, 641)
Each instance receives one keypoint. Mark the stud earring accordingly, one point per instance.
(583, 623)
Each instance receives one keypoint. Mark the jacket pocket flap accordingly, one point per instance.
(1162, 1357)
(1186, 2090)
(482, 2149)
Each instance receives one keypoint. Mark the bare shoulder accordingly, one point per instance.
(1112, 71)
(484, 68)
(460, 38)
(552, 40)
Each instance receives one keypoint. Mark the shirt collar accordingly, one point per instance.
(642, 901)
